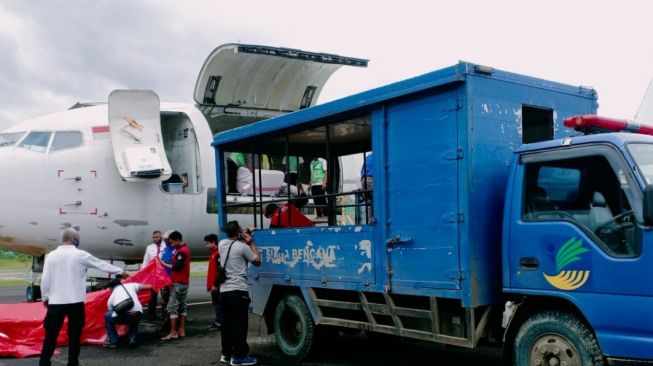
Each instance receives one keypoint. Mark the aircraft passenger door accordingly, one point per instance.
(135, 126)
(422, 191)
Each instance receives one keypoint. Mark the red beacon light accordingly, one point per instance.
(590, 124)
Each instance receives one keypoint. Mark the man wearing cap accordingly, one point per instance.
(63, 289)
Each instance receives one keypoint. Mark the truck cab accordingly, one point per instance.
(575, 233)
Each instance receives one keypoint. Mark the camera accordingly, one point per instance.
(247, 231)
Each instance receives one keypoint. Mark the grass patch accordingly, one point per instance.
(12, 283)
(13, 263)
(200, 268)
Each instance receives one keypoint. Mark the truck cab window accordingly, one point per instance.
(587, 192)
(36, 141)
(643, 155)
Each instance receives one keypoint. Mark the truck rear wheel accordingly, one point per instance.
(556, 338)
(294, 329)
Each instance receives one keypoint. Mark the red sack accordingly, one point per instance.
(21, 325)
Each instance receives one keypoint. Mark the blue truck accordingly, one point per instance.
(487, 220)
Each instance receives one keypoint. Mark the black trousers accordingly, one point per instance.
(235, 311)
(52, 323)
(151, 306)
(232, 176)
(320, 202)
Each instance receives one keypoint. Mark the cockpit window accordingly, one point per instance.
(10, 138)
(36, 141)
(66, 140)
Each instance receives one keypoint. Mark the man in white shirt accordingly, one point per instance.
(131, 317)
(154, 250)
(63, 289)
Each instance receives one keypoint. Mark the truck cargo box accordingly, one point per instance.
(441, 144)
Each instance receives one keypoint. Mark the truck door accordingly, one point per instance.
(135, 126)
(575, 234)
(422, 194)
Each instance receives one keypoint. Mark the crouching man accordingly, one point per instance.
(131, 316)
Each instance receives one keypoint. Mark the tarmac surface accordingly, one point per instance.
(202, 347)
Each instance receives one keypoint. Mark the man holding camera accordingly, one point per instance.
(235, 254)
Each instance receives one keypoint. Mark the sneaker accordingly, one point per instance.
(224, 359)
(214, 326)
(245, 361)
(133, 342)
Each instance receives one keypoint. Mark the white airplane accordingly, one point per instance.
(120, 170)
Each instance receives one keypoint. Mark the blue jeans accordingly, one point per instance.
(132, 320)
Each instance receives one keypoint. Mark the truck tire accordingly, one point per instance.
(556, 338)
(294, 329)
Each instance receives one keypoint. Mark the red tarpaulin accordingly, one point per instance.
(21, 325)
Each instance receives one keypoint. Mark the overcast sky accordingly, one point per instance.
(54, 53)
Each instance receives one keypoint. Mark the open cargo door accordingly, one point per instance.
(135, 125)
(240, 84)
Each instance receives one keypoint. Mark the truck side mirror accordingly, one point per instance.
(648, 205)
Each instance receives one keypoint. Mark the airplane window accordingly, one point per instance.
(10, 138)
(36, 141)
(66, 140)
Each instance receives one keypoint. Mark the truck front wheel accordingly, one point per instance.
(556, 338)
(294, 329)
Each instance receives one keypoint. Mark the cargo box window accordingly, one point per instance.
(537, 124)
(301, 178)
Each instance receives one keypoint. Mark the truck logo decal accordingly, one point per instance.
(317, 257)
(568, 280)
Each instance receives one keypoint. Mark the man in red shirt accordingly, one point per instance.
(212, 284)
(180, 279)
(286, 216)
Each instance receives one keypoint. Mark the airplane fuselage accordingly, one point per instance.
(45, 189)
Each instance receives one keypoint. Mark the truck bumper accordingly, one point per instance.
(624, 362)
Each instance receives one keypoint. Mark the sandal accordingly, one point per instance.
(169, 337)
